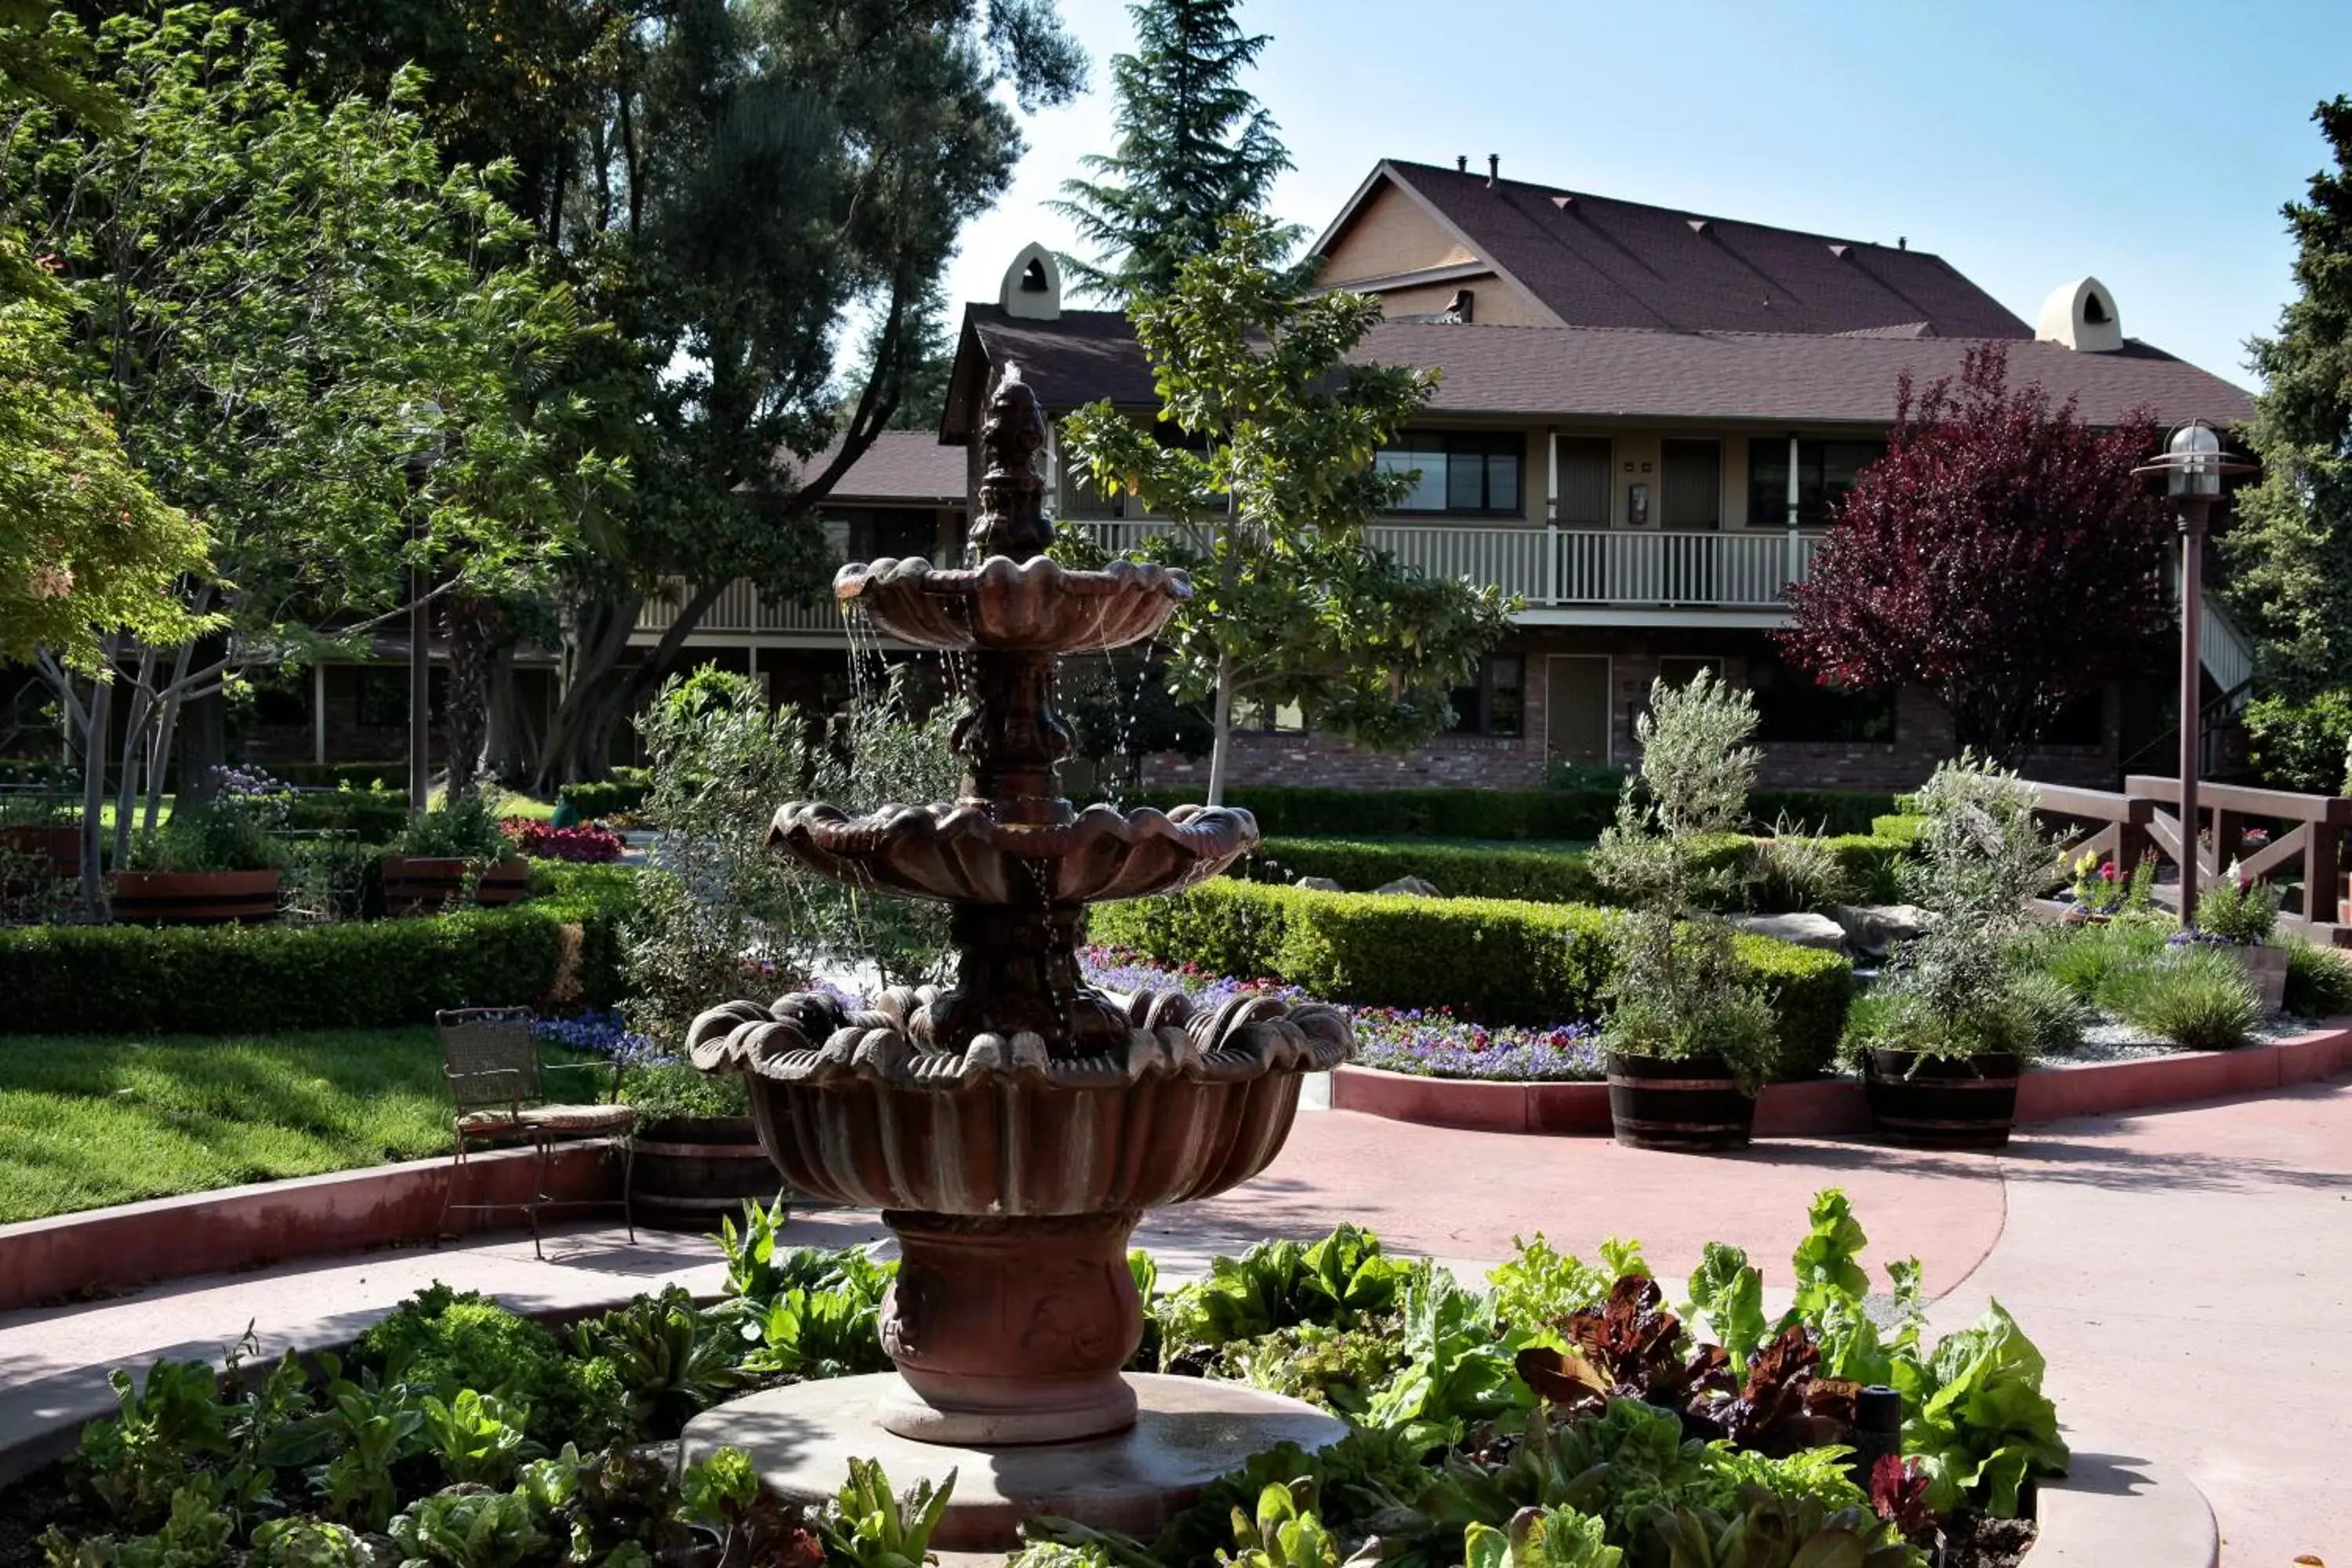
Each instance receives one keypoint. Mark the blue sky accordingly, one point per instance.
(2151, 143)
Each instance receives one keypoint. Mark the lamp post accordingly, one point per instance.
(424, 425)
(2192, 466)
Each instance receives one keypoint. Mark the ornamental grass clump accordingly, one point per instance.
(1960, 989)
(2197, 997)
(2238, 912)
(1678, 991)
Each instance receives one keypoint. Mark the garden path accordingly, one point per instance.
(2187, 1272)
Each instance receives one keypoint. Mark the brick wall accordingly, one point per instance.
(1923, 732)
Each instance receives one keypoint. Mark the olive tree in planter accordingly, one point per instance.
(1689, 1042)
(454, 850)
(1958, 1011)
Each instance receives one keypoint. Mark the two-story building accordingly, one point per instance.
(1643, 418)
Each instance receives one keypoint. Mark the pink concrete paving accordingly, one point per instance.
(2187, 1271)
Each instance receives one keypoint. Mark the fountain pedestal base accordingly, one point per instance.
(1188, 1432)
(1010, 1329)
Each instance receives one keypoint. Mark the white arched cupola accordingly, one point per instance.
(2081, 315)
(1032, 285)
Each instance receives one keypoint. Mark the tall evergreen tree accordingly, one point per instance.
(1195, 149)
(2289, 553)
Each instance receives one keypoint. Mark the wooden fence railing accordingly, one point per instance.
(2295, 840)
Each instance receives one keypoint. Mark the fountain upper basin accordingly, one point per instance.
(1037, 606)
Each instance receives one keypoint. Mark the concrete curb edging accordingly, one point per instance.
(2119, 1510)
(1827, 1107)
(235, 1229)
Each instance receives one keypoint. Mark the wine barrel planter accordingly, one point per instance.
(1692, 1107)
(193, 898)
(34, 854)
(427, 884)
(694, 1171)
(1943, 1102)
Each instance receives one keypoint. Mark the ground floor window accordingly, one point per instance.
(1495, 702)
(1794, 707)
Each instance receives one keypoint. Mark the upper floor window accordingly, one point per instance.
(1825, 471)
(1465, 473)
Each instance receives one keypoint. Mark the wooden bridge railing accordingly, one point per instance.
(2304, 853)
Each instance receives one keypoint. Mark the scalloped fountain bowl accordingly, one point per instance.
(852, 1108)
(1038, 605)
(960, 851)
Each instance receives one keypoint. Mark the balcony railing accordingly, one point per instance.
(1568, 567)
(1550, 568)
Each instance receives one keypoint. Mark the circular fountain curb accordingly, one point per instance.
(1188, 1432)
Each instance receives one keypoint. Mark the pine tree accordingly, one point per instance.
(1195, 149)
(2289, 553)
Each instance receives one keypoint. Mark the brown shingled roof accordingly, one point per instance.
(902, 465)
(1596, 261)
(1566, 373)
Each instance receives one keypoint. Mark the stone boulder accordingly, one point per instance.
(1412, 886)
(1799, 929)
(1872, 930)
(1318, 885)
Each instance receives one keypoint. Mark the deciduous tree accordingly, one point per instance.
(1271, 482)
(2002, 557)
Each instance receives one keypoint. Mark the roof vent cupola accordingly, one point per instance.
(2081, 315)
(1032, 285)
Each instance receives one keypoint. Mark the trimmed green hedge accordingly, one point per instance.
(92, 980)
(1576, 814)
(369, 815)
(1551, 876)
(624, 791)
(1498, 960)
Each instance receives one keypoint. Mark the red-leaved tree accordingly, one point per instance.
(2002, 557)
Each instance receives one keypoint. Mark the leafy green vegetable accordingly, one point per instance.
(1983, 1423)
(479, 1437)
(1825, 1261)
(872, 1529)
(1278, 1285)
(135, 1464)
(1284, 1532)
(1458, 1364)
(674, 1360)
(468, 1529)
(1538, 1284)
(1727, 1291)
(1539, 1538)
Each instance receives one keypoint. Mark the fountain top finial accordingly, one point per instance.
(1012, 519)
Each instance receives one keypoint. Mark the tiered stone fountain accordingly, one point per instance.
(1013, 1127)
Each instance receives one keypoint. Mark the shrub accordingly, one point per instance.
(586, 843)
(464, 827)
(1858, 864)
(369, 816)
(2199, 998)
(2300, 745)
(1496, 961)
(1286, 811)
(2318, 981)
(2244, 912)
(624, 791)
(559, 946)
(2047, 1012)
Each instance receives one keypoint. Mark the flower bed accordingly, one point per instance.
(1429, 1042)
(1565, 1402)
(585, 842)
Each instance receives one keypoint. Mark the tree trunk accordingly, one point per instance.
(471, 624)
(96, 744)
(595, 640)
(203, 729)
(1221, 748)
(507, 754)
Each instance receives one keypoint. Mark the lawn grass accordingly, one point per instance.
(86, 1123)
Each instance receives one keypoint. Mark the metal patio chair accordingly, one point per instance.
(498, 1084)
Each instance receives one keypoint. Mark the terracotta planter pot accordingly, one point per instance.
(193, 898)
(1943, 1102)
(2266, 970)
(427, 884)
(694, 1171)
(1692, 1107)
